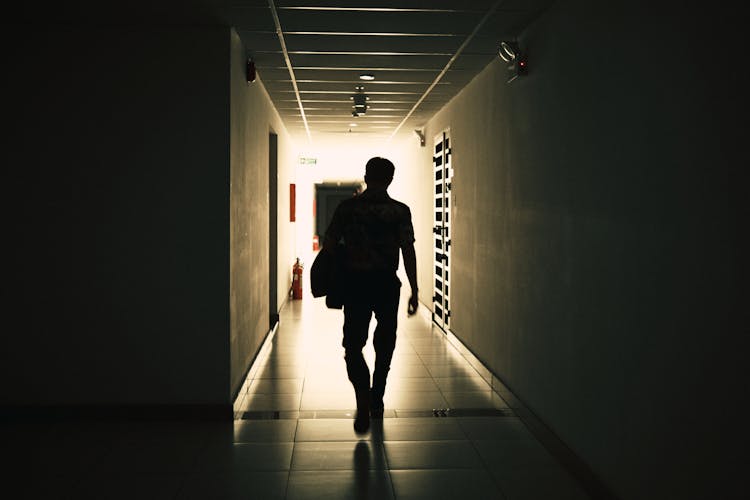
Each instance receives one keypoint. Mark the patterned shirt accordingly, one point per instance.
(372, 228)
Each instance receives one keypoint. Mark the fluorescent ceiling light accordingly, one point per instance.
(366, 76)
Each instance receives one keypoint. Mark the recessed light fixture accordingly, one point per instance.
(352, 124)
(367, 76)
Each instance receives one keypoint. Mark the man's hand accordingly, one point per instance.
(413, 304)
(410, 264)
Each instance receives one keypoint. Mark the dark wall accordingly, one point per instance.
(596, 264)
(116, 221)
(327, 198)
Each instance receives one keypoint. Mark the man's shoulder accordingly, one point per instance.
(400, 204)
(401, 207)
(347, 204)
(381, 203)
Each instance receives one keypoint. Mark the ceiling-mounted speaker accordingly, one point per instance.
(250, 70)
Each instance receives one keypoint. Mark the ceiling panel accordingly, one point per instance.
(406, 44)
(374, 43)
(371, 89)
(481, 5)
(372, 61)
(456, 23)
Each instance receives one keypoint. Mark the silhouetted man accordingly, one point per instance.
(370, 229)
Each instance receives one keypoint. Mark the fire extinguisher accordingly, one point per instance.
(297, 280)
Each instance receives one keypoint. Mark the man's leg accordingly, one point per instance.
(356, 325)
(384, 341)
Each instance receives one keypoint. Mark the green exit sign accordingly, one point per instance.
(307, 161)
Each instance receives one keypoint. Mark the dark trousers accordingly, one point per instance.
(367, 295)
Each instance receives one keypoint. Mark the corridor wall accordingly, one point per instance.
(252, 117)
(136, 203)
(595, 239)
(117, 218)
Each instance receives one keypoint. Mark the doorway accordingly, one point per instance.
(273, 240)
(327, 198)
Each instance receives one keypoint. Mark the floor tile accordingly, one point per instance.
(421, 429)
(440, 484)
(326, 429)
(222, 457)
(338, 455)
(314, 383)
(452, 370)
(235, 485)
(432, 455)
(494, 428)
(474, 399)
(405, 359)
(411, 384)
(343, 400)
(446, 358)
(259, 431)
(460, 383)
(276, 386)
(414, 400)
(409, 371)
(271, 402)
(340, 485)
(281, 371)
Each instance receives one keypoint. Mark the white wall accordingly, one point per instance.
(595, 239)
(253, 117)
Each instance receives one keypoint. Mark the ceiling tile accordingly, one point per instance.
(406, 44)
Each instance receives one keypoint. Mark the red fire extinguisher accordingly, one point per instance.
(297, 280)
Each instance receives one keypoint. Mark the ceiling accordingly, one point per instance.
(421, 54)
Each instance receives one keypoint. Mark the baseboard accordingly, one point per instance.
(239, 393)
(579, 469)
(117, 412)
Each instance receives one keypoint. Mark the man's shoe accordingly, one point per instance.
(362, 420)
(376, 406)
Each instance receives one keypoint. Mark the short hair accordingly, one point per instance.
(379, 169)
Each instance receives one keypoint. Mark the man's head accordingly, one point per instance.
(379, 172)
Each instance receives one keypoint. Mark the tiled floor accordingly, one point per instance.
(293, 437)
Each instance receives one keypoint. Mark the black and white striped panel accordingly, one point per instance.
(441, 229)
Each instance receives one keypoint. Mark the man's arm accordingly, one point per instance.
(410, 264)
